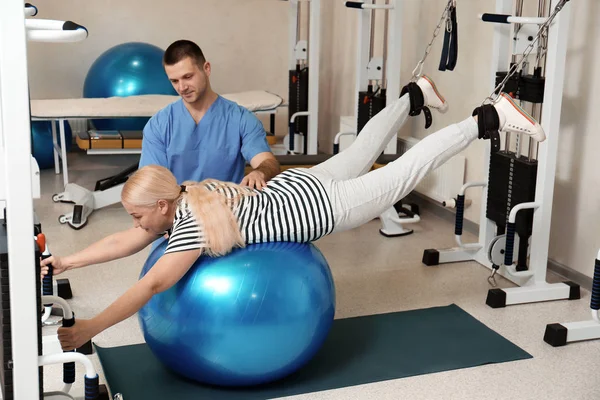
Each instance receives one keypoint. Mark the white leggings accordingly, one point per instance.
(357, 196)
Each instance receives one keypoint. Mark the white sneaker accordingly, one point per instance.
(431, 96)
(514, 119)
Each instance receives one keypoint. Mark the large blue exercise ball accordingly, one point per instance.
(41, 142)
(127, 69)
(251, 317)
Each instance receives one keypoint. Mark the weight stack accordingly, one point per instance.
(531, 89)
(298, 98)
(511, 86)
(6, 355)
(512, 181)
(38, 302)
(6, 375)
(369, 104)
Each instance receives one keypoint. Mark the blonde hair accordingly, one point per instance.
(212, 210)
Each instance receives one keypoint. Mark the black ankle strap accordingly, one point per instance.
(488, 123)
(417, 102)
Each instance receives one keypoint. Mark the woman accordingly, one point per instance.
(302, 205)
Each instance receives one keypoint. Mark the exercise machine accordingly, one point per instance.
(303, 75)
(22, 361)
(378, 83)
(376, 86)
(559, 334)
(518, 186)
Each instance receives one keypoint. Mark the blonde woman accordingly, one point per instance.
(301, 205)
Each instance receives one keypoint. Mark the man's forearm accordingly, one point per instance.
(270, 168)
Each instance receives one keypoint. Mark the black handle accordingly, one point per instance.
(460, 212)
(510, 243)
(68, 368)
(497, 18)
(47, 289)
(595, 302)
(92, 388)
(354, 4)
(72, 26)
(29, 5)
(292, 131)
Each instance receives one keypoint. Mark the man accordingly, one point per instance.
(203, 135)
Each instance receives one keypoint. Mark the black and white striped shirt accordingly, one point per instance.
(293, 207)
(185, 233)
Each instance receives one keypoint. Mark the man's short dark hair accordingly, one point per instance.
(181, 49)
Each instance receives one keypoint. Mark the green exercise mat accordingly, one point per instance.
(358, 350)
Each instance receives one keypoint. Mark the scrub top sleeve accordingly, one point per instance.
(154, 150)
(253, 135)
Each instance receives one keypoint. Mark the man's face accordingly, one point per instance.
(188, 79)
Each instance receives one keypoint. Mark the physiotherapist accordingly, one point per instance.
(203, 135)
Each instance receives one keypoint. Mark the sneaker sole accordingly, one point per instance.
(434, 89)
(519, 109)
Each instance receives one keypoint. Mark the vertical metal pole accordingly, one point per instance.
(540, 62)
(514, 59)
(314, 57)
(363, 52)
(393, 62)
(293, 34)
(558, 37)
(372, 25)
(308, 31)
(16, 168)
(500, 61)
(385, 47)
(298, 24)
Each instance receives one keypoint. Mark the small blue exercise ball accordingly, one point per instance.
(251, 317)
(127, 69)
(41, 142)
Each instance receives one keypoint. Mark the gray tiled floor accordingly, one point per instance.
(373, 275)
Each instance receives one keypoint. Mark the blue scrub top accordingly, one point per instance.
(218, 147)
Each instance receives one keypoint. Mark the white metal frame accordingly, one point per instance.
(45, 30)
(18, 186)
(532, 283)
(372, 69)
(15, 142)
(365, 71)
(580, 330)
(314, 55)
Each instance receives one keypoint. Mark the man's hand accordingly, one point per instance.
(267, 164)
(77, 335)
(255, 179)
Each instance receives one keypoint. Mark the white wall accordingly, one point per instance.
(575, 237)
(246, 41)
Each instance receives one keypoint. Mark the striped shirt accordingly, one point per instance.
(292, 207)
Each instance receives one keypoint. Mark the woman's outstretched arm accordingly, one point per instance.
(169, 269)
(118, 245)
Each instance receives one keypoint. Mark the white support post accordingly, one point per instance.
(393, 59)
(500, 62)
(292, 34)
(16, 168)
(314, 56)
(314, 50)
(362, 54)
(394, 62)
(554, 74)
